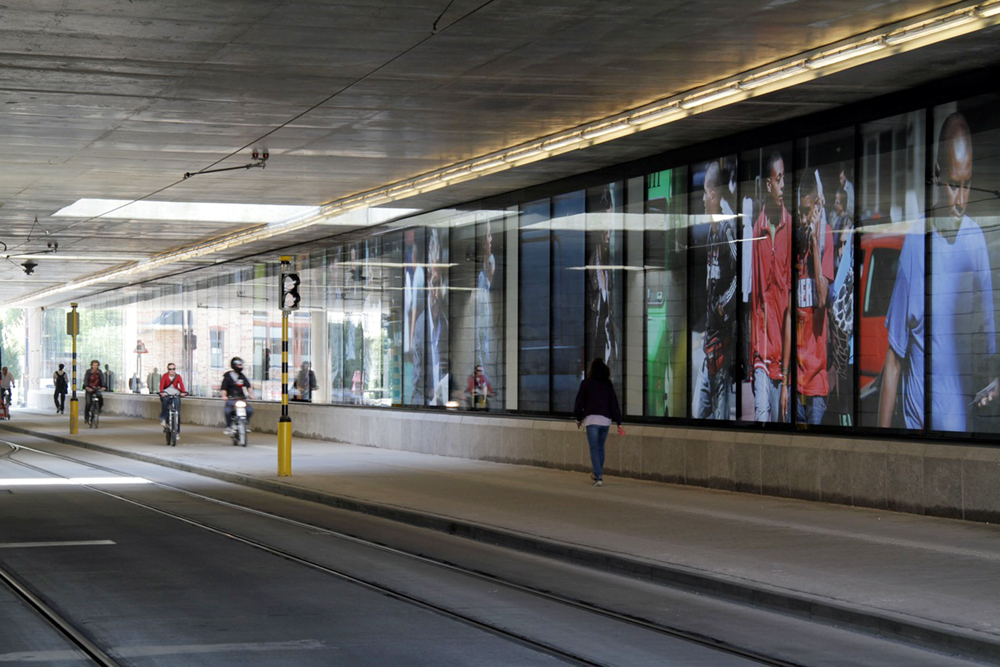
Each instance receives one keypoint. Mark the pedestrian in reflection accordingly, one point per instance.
(596, 407)
(305, 383)
(60, 384)
(479, 388)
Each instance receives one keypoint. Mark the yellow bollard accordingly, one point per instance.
(74, 416)
(285, 448)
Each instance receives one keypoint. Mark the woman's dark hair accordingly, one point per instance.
(599, 371)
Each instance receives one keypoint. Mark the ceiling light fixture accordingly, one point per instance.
(709, 96)
(655, 116)
(909, 34)
(772, 76)
(829, 58)
(607, 129)
(989, 10)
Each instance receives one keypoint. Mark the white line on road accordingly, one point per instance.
(79, 543)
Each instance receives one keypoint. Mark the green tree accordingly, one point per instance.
(12, 338)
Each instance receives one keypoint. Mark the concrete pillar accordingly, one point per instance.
(34, 364)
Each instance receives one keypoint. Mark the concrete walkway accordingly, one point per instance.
(935, 581)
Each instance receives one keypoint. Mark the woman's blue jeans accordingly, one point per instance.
(596, 435)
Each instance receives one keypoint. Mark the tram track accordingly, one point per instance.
(395, 592)
(66, 629)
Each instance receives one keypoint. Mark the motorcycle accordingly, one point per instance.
(240, 423)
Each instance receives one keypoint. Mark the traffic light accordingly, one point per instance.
(290, 297)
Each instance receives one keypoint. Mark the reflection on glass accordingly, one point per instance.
(486, 389)
(413, 308)
(568, 298)
(533, 317)
(429, 349)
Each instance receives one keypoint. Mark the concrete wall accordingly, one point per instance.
(921, 477)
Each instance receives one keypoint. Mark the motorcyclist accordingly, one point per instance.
(171, 388)
(235, 386)
(93, 385)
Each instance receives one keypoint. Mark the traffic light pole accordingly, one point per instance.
(285, 423)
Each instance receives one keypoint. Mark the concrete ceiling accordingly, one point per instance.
(118, 99)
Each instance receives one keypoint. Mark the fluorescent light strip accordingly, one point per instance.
(929, 29)
(655, 115)
(756, 81)
(663, 111)
(708, 97)
(839, 56)
(607, 129)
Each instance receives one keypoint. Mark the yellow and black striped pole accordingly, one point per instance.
(73, 329)
(285, 423)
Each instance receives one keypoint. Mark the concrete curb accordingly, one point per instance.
(921, 632)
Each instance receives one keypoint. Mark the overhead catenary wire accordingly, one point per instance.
(435, 30)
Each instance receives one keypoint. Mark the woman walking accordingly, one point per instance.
(596, 408)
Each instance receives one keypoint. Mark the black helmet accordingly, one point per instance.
(236, 364)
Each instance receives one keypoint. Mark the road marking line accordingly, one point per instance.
(194, 649)
(79, 543)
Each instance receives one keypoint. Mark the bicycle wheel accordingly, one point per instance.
(173, 424)
(95, 413)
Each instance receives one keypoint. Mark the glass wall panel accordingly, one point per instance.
(666, 268)
(605, 277)
(393, 317)
(569, 297)
(767, 279)
(490, 239)
(964, 233)
(354, 322)
(824, 255)
(890, 221)
(414, 300)
(335, 280)
(374, 327)
(713, 294)
(534, 288)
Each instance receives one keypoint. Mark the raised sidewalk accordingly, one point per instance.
(935, 581)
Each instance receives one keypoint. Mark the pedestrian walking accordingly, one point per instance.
(60, 384)
(596, 407)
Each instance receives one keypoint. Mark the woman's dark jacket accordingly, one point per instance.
(597, 397)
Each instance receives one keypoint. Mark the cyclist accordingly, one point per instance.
(171, 389)
(235, 385)
(6, 384)
(93, 385)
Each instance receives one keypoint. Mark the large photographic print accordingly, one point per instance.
(891, 227)
(713, 294)
(824, 284)
(964, 253)
(767, 276)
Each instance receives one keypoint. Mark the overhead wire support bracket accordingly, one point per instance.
(259, 160)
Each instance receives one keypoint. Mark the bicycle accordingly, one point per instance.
(5, 403)
(173, 428)
(93, 411)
